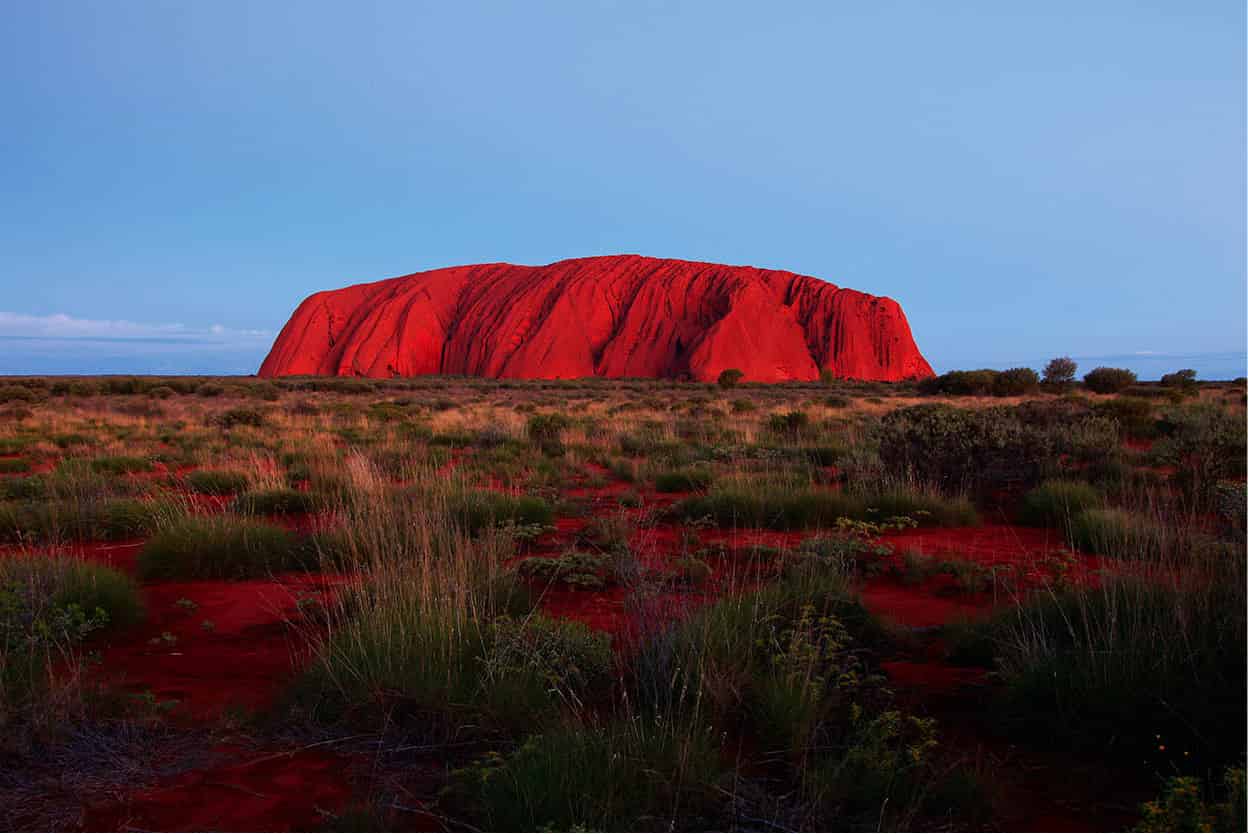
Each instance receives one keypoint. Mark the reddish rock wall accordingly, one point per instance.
(614, 316)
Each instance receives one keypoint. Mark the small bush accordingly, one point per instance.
(240, 417)
(1057, 503)
(48, 606)
(546, 432)
(216, 482)
(730, 378)
(221, 547)
(14, 466)
(274, 502)
(685, 480)
(1015, 382)
(475, 511)
(120, 465)
(1060, 372)
(1108, 380)
(788, 425)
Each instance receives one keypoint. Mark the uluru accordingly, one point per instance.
(612, 316)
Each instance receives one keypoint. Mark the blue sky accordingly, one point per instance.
(1027, 180)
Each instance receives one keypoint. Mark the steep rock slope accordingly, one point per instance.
(613, 316)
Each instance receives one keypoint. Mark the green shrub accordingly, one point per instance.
(48, 606)
(118, 465)
(787, 508)
(981, 450)
(1015, 382)
(788, 425)
(476, 510)
(730, 378)
(219, 547)
(683, 480)
(1057, 503)
(1108, 380)
(274, 502)
(1060, 373)
(1206, 444)
(546, 432)
(80, 520)
(627, 775)
(1183, 381)
(14, 466)
(216, 482)
(1138, 667)
(1185, 805)
(961, 383)
(240, 417)
(1115, 532)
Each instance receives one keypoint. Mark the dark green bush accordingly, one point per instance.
(683, 480)
(474, 511)
(216, 481)
(1015, 382)
(1060, 373)
(1057, 503)
(274, 502)
(730, 378)
(1108, 380)
(219, 547)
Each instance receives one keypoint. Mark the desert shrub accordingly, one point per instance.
(837, 401)
(274, 502)
(781, 507)
(626, 775)
(119, 465)
(1187, 805)
(161, 392)
(210, 389)
(17, 394)
(743, 406)
(1137, 667)
(683, 480)
(730, 378)
(80, 520)
(1108, 380)
(1115, 532)
(48, 606)
(1206, 444)
(14, 466)
(1134, 415)
(788, 425)
(218, 547)
(1015, 382)
(546, 432)
(1183, 381)
(216, 481)
(232, 417)
(1057, 503)
(23, 489)
(449, 668)
(1059, 373)
(961, 383)
(476, 510)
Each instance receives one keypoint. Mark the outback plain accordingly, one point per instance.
(974, 602)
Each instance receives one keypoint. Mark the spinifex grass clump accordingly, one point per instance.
(220, 547)
(1149, 666)
(783, 507)
(434, 634)
(216, 482)
(82, 519)
(792, 668)
(633, 774)
(1056, 503)
(274, 502)
(48, 606)
(475, 510)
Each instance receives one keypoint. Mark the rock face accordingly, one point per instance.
(614, 316)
